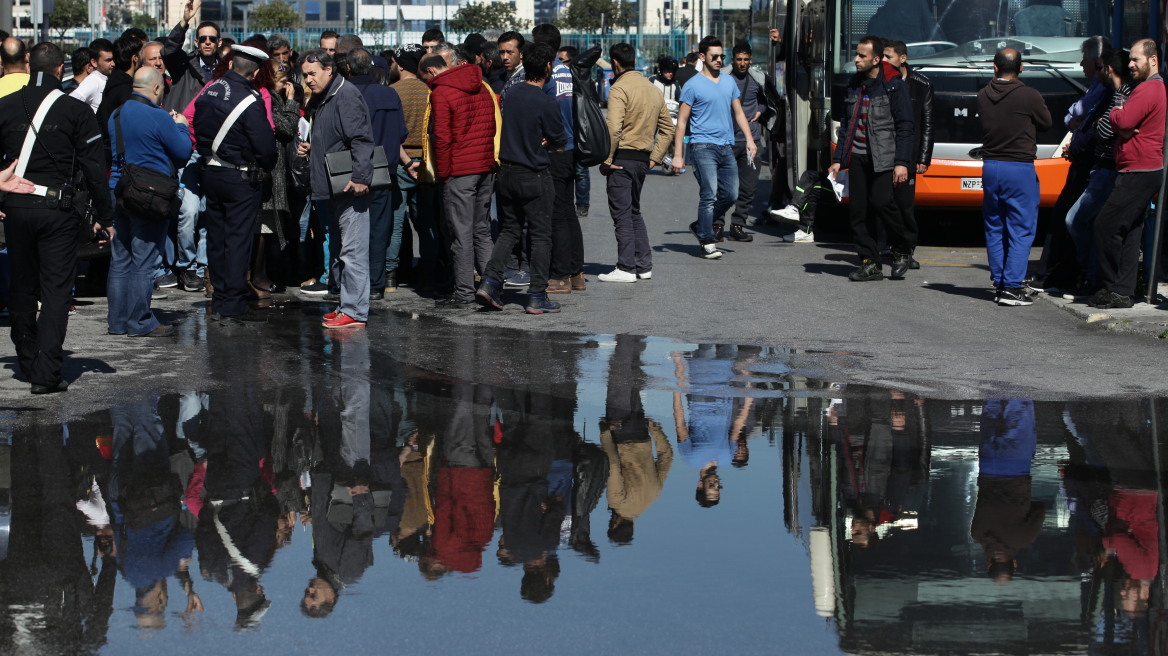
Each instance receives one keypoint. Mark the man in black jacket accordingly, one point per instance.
(41, 230)
(875, 146)
(921, 91)
(119, 86)
(189, 72)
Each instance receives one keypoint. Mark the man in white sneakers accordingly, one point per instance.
(637, 119)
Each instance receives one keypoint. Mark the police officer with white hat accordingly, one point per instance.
(237, 147)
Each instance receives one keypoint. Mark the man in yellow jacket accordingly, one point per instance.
(641, 131)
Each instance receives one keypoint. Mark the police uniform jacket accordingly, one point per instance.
(69, 131)
(250, 141)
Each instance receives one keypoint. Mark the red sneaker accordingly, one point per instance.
(343, 320)
(329, 316)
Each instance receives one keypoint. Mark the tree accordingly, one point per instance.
(274, 15)
(584, 15)
(477, 17)
(68, 14)
(144, 22)
(372, 25)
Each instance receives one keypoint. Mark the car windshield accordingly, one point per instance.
(976, 29)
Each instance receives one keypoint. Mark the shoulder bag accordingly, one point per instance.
(340, 168)
(141, 191)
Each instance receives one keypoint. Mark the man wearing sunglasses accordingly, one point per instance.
(189, 71)
(711, 107)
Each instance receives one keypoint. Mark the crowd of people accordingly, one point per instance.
(451, 472)
(242, 169)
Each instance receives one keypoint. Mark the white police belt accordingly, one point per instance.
(215, 161)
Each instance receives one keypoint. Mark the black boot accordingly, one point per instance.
(390, 281)
(490, 294)
(539, 304)
(900, 265)
(868, 270)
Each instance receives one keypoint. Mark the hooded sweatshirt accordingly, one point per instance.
(463, 113)
(1011, 114)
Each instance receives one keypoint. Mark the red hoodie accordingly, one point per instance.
(464, 114)
(1143, 111)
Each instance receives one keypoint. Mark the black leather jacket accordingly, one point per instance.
(921, 90)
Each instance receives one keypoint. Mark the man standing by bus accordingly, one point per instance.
(1139, 147)
(1011, 114)
(875, 147)
(921, 92)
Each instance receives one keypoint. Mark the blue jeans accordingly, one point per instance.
(322, 212)
(1081, 220)
(1009, 208)
(135, 249)
(350, 267)
(583, 186)
(717, 175)
(192, 236)
(404, 201)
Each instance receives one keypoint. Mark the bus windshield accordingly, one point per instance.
(973, 30)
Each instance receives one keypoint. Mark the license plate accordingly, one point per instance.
(970, 184)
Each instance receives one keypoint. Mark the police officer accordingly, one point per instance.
(232, 178)
(43, 226)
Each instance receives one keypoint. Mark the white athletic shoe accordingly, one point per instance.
(802, 237)
(648, 275)
(617, 275)
(788, 213)
(711, 252)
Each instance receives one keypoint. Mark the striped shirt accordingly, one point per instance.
(415, 96)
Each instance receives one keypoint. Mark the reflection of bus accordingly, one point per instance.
(952, 42)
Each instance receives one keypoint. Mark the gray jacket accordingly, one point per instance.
(340, 122)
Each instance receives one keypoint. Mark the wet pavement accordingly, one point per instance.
(421, 486)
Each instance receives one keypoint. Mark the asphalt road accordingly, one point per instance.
(936, 333)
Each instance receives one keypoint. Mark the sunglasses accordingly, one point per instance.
(717, 56)
(206, 37)
(312, 59)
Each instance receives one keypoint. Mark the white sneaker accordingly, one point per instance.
(648, 275)
(802, 237)
(711, 252)
(788, 213)
(617, 275)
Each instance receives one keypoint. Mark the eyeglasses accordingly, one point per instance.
(717, 56)
(207, 37)
(312, 59)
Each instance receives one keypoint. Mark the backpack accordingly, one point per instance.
(592, 144)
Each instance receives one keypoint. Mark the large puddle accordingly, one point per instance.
(537, 493)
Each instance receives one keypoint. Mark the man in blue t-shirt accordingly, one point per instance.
(712, 102)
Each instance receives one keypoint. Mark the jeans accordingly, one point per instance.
(1081, 220)
(192, 234)
(1119, 226)
(329, 256)
(133, 253)
(872, 207)
(525, 199)
(633, 253)
(1010, 210)
(747, 184)
(717, 176)
(583, 186)
(380, 228)
(350, 270)
(403, 199)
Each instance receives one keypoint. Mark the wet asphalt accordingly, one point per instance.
(935, 332)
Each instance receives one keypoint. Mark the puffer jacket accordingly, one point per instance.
(890, 122)
(463, 113)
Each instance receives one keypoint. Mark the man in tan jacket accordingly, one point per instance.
(641, 130)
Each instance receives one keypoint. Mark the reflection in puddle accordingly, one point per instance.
(326, 493)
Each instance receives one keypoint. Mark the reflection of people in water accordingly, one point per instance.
(635, 476)
(710, 437)
(881, 444)
(1006, 519)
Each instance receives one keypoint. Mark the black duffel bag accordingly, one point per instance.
(143, 192)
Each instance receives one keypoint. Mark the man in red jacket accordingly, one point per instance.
(1139, 147)
(463, 112)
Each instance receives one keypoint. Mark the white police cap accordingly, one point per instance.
(248, 51)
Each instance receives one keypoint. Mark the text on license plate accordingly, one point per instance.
(970, 184)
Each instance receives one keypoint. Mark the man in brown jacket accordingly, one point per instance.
(641, 130)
